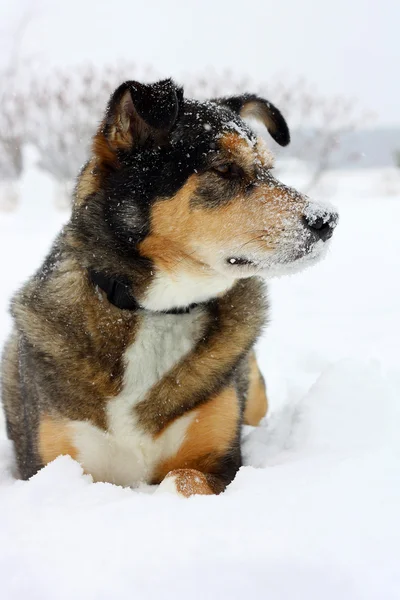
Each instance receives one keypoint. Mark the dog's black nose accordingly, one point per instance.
(322, 224)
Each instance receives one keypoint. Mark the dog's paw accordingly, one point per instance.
(168, 486)
(185, 483)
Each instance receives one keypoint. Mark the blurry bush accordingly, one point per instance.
(58, 113)
(65, 110)
(13, 134)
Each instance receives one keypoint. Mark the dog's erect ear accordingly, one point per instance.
(250, 105)
(138, 115)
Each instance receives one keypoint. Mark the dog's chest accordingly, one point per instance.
(126, 454)
(161, 341)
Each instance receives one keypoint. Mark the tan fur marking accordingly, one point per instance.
(192, 236)
(209, 436)
(89, 182)
(55, 439)
(178, 231)
(102, 150)
(232, 143)
(246, 155)
(165, 244)
(119, 139)
(256, 402)
(190, 482)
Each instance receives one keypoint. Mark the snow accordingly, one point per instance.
(313, 514)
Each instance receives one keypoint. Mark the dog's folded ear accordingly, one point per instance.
(138, 115)
(250, 105)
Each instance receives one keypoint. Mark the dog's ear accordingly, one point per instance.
(137, 115)
(250, 105)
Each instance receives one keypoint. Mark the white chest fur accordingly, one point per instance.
(126, 454)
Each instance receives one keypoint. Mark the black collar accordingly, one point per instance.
(118, 292)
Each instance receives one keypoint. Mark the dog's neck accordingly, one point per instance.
(167, 291)
(178, 295)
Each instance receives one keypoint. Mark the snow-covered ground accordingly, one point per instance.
(314, 513)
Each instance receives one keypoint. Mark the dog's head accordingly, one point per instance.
(189, 187)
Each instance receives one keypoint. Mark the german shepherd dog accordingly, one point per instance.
(132, 348)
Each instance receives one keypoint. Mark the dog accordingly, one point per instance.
(133, 344)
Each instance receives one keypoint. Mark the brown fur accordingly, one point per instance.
(246, 156)
(161, 245)
(256, 400)
(85, 335)
(208, 438)
(89, 182)
(190, 482)
(55, 439)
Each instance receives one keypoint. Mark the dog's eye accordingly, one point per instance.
(229, 170)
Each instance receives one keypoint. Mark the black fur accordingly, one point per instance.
(278, 128)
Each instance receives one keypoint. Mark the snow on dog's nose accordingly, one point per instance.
(320, 220)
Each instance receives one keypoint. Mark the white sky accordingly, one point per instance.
(345, 47)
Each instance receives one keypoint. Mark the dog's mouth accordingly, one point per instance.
(241, 261)
(288, 259)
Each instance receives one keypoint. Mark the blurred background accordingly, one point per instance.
(332, 68)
